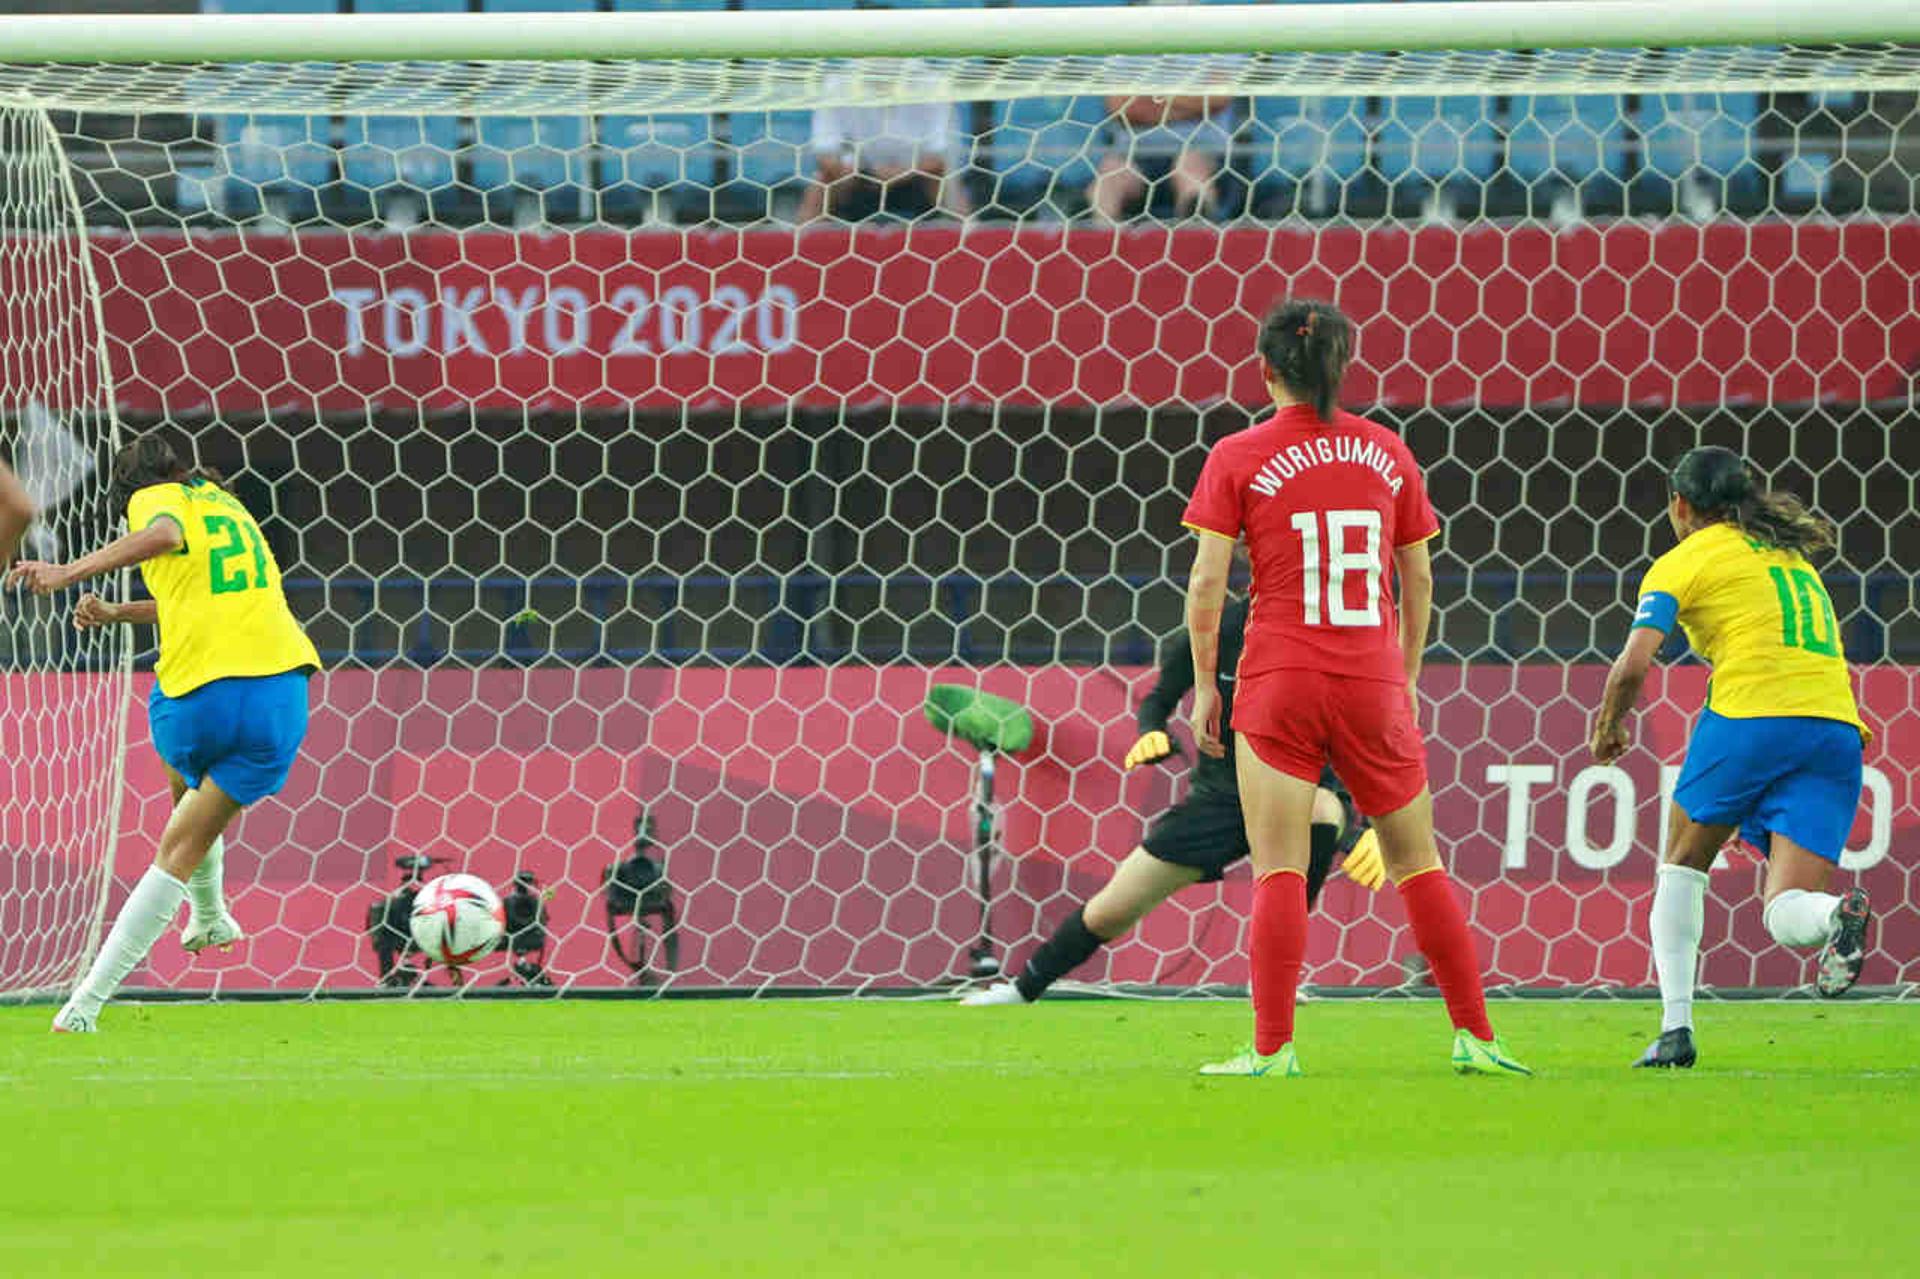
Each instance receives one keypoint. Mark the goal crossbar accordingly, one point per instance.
(1484, 24)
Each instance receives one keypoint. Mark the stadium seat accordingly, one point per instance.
(398, 168)
(1304, 153)
(530, 169)
(1694, 142)
(276, 164)
(643, 158)
(1434, 140)
(770, 156)
(1574, 138)
(1044, 150)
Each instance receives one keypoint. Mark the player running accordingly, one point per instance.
(1331, 505)
(16, 512)
(1191, 843)
(229, 705)
(1778, 750)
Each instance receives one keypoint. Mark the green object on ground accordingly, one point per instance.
(982, 719)
(572, 1140)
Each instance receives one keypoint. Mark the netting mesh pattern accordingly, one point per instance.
(64, 698)
(594, 520)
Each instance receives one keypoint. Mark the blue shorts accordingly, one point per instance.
(241, 732)
(1791, 775)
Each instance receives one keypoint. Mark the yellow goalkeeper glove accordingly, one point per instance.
(1363, 864)
(1150, 749)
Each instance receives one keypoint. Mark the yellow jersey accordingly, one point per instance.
(222, 612)
(1761, 617)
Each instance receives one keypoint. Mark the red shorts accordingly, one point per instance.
(1299, 720)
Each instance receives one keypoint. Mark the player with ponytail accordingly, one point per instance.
(1333, 509)
(228, 710)
(1778, 751)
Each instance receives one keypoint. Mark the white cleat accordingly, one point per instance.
(71, 1021)
(222, 932)
(1001, 992)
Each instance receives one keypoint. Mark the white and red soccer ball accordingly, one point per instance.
(457, 919)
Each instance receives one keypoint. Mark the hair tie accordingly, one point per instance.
(1306, 330)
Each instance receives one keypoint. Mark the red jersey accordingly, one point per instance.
(1322, 506)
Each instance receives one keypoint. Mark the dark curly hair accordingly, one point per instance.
(152, 459)
(1718, 485)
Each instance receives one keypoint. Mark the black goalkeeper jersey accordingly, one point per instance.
(1176, 681)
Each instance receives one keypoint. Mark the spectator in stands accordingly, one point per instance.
(1182, 139)
(895, 159)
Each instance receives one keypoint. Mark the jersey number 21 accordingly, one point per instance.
(229, 539)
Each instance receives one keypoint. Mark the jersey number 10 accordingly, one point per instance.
(1804, 604)
(240, 538)
(1341, 559)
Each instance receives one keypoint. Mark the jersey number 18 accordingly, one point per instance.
(1341, 559)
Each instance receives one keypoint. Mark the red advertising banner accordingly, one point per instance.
(816, 829)
(1626, 312)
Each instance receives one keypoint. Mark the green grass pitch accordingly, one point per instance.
(791, 1139)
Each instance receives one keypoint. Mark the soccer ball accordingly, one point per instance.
(457, 919)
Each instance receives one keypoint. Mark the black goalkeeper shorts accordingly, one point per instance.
(1206, 831)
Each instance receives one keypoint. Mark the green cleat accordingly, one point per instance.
(1483, 1056)
(1249, 1064)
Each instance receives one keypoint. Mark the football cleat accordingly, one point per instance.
(1001, 992)
(1672, 1051)
(1846, 952)
(200, 934)
(71, 1021)
(1249, 1064)
(1483, 1056)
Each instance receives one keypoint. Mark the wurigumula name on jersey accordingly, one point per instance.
(1295, 458)
(1623, 819)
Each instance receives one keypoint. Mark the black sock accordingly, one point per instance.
(1070, 946)
(1326, 838)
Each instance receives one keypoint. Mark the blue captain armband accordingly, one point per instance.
(1658, 611)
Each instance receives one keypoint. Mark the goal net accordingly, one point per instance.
(624, 473)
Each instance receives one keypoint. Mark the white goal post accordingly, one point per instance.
(619, 471)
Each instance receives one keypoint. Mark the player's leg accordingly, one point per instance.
(1802, 820)
(152, 904)
(208, 921)
(1379, 753)
(1674, 924)
(1412, 859)
(1277, 792)
(1138, 884)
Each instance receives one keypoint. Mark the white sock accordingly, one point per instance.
(150, 907)
(206, 887)
(1800, 918)
(1676, 921)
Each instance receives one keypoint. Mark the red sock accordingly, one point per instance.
(1440, 929)
(1279, 948)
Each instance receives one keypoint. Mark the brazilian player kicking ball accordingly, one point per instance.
(229, 705)
(1777, 752)
(1191, 843)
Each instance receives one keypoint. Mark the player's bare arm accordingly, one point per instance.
(1206, 600)
(16, 512)
(1611, 737)
(162, 537)
(91, 611)
(1414, 567)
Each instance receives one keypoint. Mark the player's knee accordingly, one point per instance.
(1110, 914)
(1327, 809)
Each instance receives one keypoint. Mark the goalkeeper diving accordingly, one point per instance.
(1194, 841)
